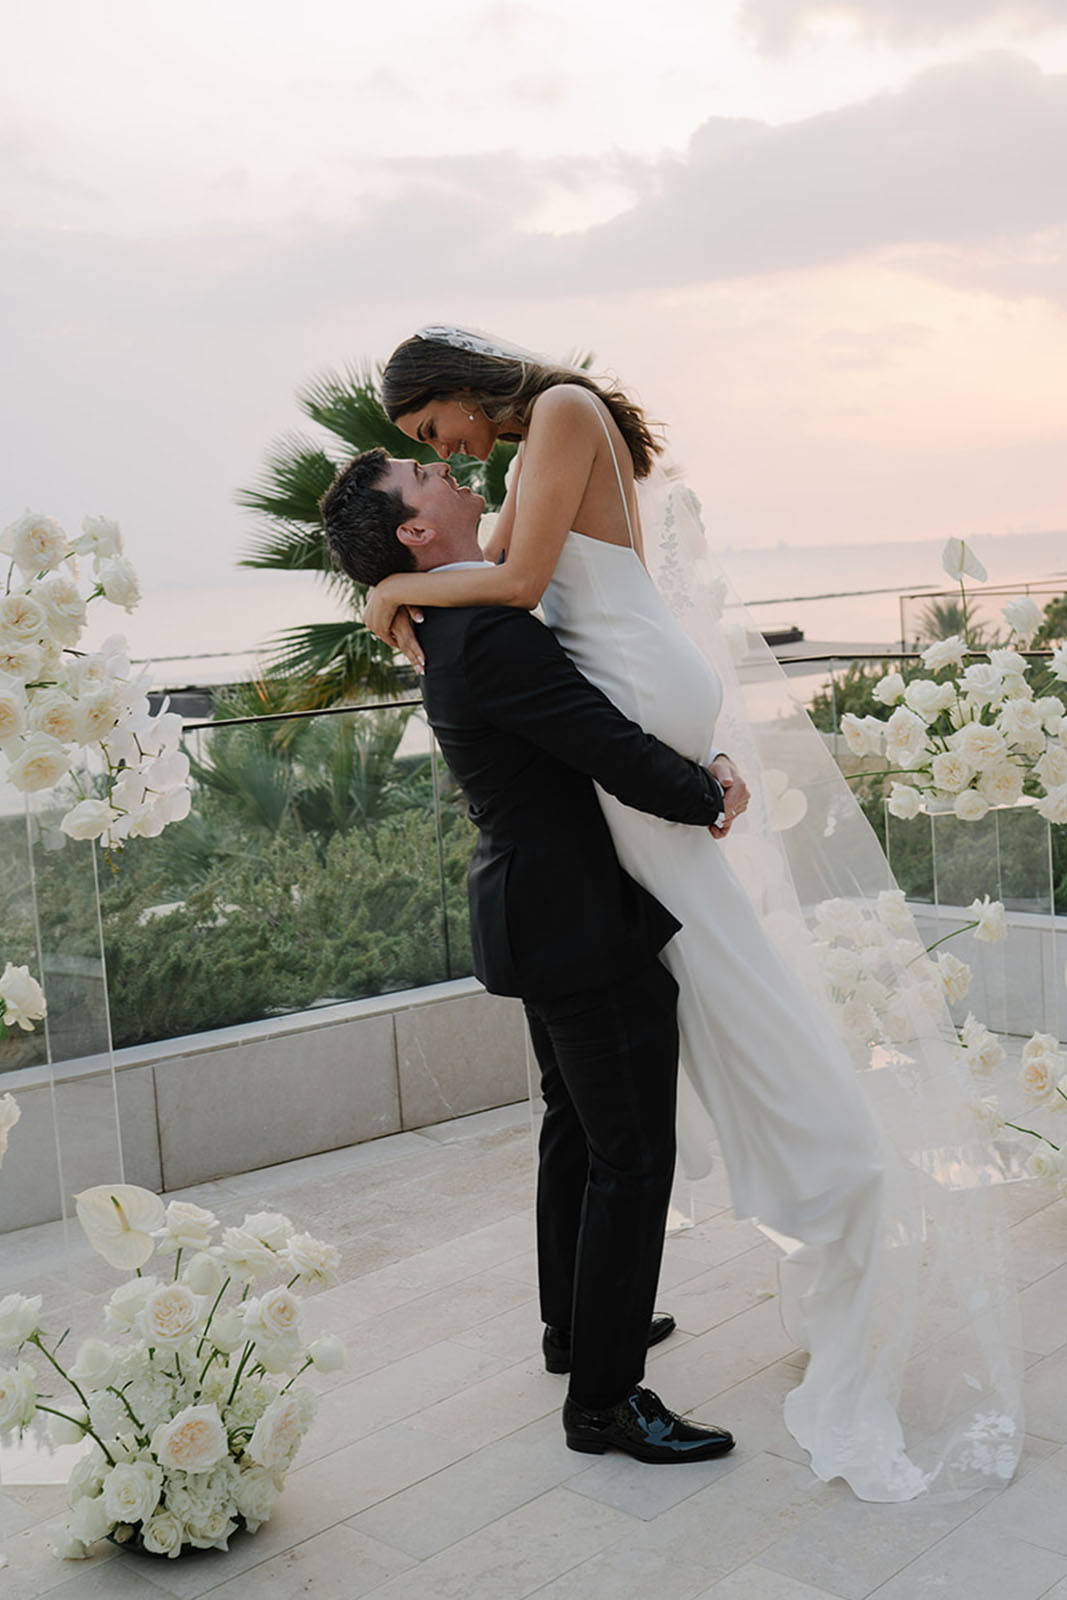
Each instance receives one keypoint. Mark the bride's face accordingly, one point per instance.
(451, 427)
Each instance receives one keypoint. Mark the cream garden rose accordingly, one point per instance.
(193, 1441)
(169, 1315)
(21, 998)
(19, 1316)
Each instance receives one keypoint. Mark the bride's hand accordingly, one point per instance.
(735, 795)
(392, 624)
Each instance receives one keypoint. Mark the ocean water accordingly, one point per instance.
(203, 634)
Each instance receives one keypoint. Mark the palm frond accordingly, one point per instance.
(335, 660)
(295, 476)
(348, 405)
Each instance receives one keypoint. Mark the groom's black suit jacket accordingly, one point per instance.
(525, 735)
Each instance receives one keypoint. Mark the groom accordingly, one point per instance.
(555, 920)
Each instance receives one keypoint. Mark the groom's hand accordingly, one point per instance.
(735, 795)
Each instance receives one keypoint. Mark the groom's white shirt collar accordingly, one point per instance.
(452, 566)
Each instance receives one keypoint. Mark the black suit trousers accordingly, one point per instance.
(609, 1072)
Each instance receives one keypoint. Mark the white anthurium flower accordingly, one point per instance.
(1053, 806)
(905, 801)
(119, 1220)
(785, 806)
(10, 1112)
(989, 914)
(944, 653)
(19, 1317)
(38, 762)
(35, 543)
(955, 977)
(970, 806)
(889, 691)
(928, 699)
(22, 1000)
(1023, 617)
(118, 580)
(100, 537)
(89, 819)
(960, 561)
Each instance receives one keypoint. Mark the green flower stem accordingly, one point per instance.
(35, 1339)
(177, 1263)
(1032, 1132)
(308, 1363)
(963, 604)
(204, 1370)
(240, 1370)
(83, 1425)
(211, 1313)
(134, 1418)
(956, 931)
(889, 772)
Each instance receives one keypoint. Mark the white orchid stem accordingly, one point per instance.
(963, 929)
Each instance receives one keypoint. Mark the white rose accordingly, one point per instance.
(984, 1055)
(270, 1227)
(1020, 722)
(279, 1355)
(88, 1520)
(131, 1491)
(989, 1114)
(21, 998)
(100, 537)
(1037, 1077)
(950, 771)
(88, 819)
(119, 1219)
(193, 1441)
(163, 1534)
(1001, 785)
(97, 1365)
(118, 580)
(1022, 617)
(905, 736)
(982, 683)
(10, 1112)
(955, 977)
(277, 1435)
(1058, 663)
(892, 908)
(187, 1227)
(12, 708)
(904, 801)
(1053, 806)
(928, 699)
(944, 653)
(39, 762)
(68, 1430)
(169, 1315)
(840, 966)
(22, 617)
(19, 1317)
(1008, 662)
(1040, 1045)
(959, 560)
(211, 1530)
(228, 1332)
(87, 1474)
(127, 1302)
(19, 660)
(204, 1274)
(982, 746)
(64, 607)
(247, 1256)
(255, 1495)
(18, 1396)
(989, 915)
(1045, 1162)
(35, 543)
(861, 738)
(327, 1353)
(54, 712)
(970, 806)
(314, 1260)
(276, 1315)
(890, 689)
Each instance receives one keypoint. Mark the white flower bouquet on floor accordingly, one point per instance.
(190, 1406)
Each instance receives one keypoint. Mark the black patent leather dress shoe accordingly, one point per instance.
(642, 1426)
(557, 1345)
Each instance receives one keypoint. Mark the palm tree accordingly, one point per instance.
(322, 663)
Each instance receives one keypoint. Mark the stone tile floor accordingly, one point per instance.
(437, 1469)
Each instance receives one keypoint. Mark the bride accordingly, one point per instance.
(849, 1132)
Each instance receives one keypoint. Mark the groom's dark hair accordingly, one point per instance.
(361, 520)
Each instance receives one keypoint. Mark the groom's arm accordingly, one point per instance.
(525, 682)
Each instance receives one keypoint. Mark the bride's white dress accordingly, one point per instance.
(805, 1158)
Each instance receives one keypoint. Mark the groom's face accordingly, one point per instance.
(445, 514)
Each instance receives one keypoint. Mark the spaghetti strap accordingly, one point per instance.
(618, 474)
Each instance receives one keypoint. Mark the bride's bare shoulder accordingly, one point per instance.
(566, 401)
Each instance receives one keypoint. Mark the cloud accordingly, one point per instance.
(777, 25)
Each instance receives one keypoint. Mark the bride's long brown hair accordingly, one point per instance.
(422, 370)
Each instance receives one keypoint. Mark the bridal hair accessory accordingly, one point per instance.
(478, 343)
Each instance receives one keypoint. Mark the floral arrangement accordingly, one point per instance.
(971, 733)
(191, 1410)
